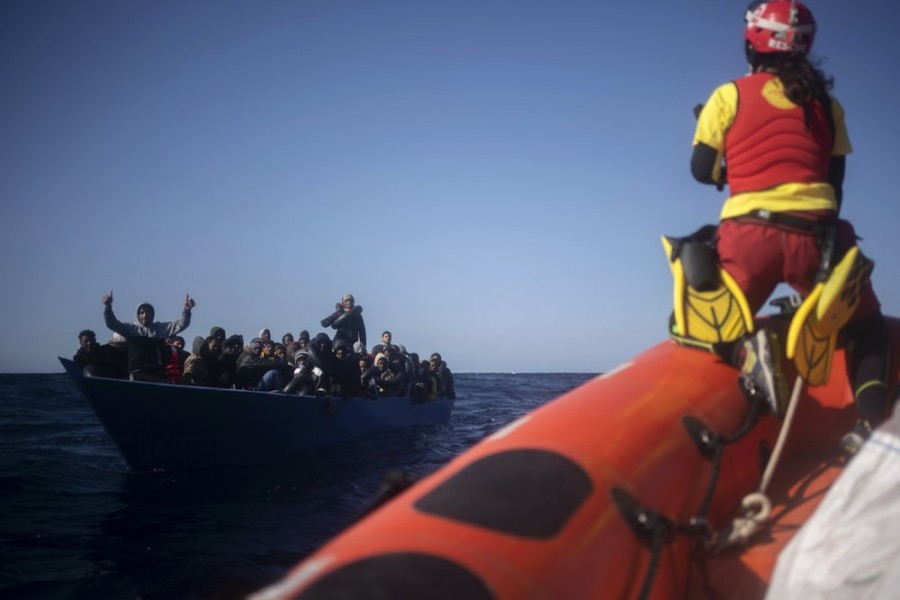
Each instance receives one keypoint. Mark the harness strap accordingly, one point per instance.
(788, 220)
(825, 228)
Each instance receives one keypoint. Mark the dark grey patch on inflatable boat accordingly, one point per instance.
(527, 493)
(400, 575)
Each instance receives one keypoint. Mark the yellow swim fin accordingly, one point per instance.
(812, 335)
(717, 312)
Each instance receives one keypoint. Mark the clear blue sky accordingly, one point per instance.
(489, 178)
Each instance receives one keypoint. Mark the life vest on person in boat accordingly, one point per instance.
(767, 129)
(173, 367)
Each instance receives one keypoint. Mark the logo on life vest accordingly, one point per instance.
(773, 92)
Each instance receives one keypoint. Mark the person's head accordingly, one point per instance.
(322, 342)
(256, 345)
(233, 345)
(176, 341)
(213, 345)
(87, 339)
(348, 301)
(145, 313)
(268, 348)
(777, 39)
(341, 348)
(304, 336)
(279, 350)
(265, 334)
(435, 361)
(301, 358)
(777, 27)
(287, 338)
(218, 332)
(363, 363)
(381, 361)
(388, 352)
(386, 338)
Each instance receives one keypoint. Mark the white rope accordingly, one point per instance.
(756, 506)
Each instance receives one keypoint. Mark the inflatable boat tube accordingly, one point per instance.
(604, 492)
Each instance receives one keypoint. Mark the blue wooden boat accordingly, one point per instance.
(166, 426)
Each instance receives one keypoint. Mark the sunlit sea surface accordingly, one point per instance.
(75, 523)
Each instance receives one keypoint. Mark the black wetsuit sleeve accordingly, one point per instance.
(703, 163)
(836, 168)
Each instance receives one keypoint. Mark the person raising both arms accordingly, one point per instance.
(145, 326)
(783, 139)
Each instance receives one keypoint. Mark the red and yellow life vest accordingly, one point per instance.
(770, 144)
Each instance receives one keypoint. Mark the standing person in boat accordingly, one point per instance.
(783, 140)
(145, 326)
(348, 321)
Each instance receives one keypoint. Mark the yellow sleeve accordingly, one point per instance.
(716, 117)
(842, 145)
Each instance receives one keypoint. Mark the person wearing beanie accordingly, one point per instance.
(347, 320)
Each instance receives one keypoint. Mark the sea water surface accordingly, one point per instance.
(75, 523)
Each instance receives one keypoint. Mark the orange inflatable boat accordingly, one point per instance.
(618, 489)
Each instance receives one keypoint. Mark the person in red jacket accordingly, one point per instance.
(784, 144)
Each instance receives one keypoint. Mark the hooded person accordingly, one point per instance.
(145, 326)
(195, 371)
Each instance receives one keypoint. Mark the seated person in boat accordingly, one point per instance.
(445, 376)
(195, 372)
(145, 326)
(175, 364)
(231, 349)
(382, 378)
(321, 355)
(257, 372)
(99, 361)
(421, 384)
(386, 337)
(345, 380)
(306, 379)
(303, 340)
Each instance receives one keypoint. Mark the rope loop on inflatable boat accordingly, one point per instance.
(757, 506)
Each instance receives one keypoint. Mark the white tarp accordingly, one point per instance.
(850, 547)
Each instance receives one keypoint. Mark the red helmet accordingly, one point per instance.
(779, 26)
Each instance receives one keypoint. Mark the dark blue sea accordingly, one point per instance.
(75, 523)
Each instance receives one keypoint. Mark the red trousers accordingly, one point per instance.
(760, 256)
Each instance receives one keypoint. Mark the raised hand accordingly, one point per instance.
(189, 302)
(107, 299)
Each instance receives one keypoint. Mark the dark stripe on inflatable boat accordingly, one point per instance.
(527, 493)
(401, 575)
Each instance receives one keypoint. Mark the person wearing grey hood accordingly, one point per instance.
(145, 326)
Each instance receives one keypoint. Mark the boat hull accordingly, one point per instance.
(164, 426)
